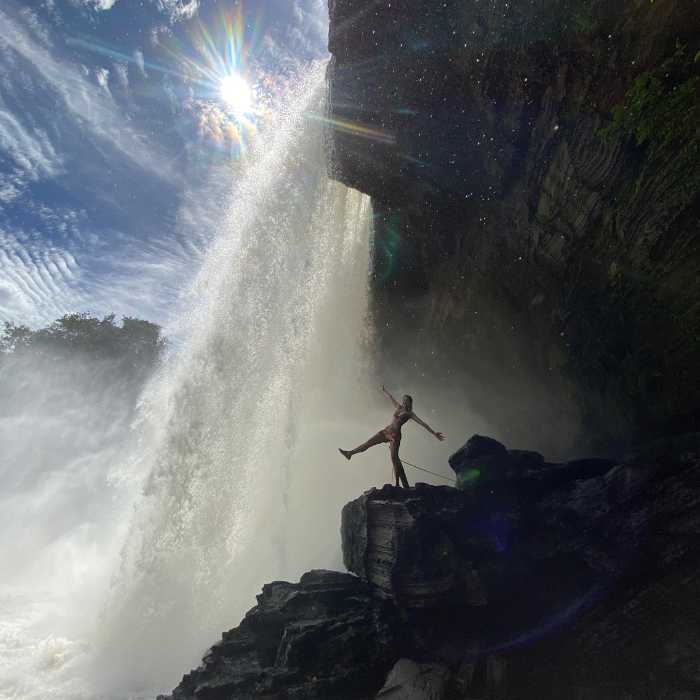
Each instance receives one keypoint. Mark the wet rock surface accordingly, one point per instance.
(584, 587)
(553, 259)
(324, 637)
(408, 544)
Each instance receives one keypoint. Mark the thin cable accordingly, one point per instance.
(427, 471)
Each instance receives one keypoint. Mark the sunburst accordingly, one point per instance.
(237, 95)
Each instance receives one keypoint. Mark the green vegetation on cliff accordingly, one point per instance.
(661, 112)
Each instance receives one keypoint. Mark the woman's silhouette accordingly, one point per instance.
(392, 435)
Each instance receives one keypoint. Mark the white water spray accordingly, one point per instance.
(245, 482)
(242, 483)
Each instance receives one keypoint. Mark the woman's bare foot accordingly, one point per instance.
(345, 453)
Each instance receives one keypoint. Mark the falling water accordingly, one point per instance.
(245, 482)
(238, 479)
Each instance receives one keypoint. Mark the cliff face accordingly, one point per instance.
(535, 173)
(534, 581)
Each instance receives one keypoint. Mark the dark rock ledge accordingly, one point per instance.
(532, 581)
(324, 637)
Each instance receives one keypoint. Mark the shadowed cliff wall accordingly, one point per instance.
(534, 169)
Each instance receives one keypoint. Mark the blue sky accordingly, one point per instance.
(117, 147)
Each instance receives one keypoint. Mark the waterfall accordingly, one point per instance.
(244, 481)
(232, 477)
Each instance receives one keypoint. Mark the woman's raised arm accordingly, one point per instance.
(390, 397)
(438, 435)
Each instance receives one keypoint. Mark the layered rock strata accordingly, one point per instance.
(324, 637)
(535, 174)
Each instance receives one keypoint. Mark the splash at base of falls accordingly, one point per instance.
(237, 480)
(237, 447)
(243, 429)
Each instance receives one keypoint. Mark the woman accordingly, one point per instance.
(392, 435)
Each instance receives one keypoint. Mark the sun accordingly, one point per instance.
(236, 93)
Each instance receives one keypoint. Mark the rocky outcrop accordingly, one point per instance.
(577, 577)
(322, 638)
(535, 174)
(483, 461)
(540, 581)
(407, 543)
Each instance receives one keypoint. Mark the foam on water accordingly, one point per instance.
(240, 479)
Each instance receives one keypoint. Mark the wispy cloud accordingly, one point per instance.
(175, 9)
(30, 155)
(138, 59)
(101, 4)
(103, 235)
(118, 272)
(108, 199)
(32, 152)
(35, 25)
(179, 9)
(122, 74)
(102, 77)
(37, 281)
(309, 32)
(88, 104)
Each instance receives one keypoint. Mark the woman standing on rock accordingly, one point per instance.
(392, 435)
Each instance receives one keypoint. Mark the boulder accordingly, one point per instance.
(411, 681)
(477, 446)
(483, 464)
(485, 460)
(408, 545)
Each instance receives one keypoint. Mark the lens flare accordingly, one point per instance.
(228, 90)
(236, 94)
(357, 129)
(215, 69)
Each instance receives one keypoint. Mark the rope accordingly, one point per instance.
(427, 471)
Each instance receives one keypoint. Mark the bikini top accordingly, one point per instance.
(401, 416)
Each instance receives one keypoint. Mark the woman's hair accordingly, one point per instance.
(408, 402)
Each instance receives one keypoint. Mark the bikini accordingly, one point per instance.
(392, 432)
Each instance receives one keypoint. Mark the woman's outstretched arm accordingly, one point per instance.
(438, 435)
(391, 398)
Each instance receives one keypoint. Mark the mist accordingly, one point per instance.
(141, 524)
(66, 486)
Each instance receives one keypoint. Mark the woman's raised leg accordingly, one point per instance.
(377, 439)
